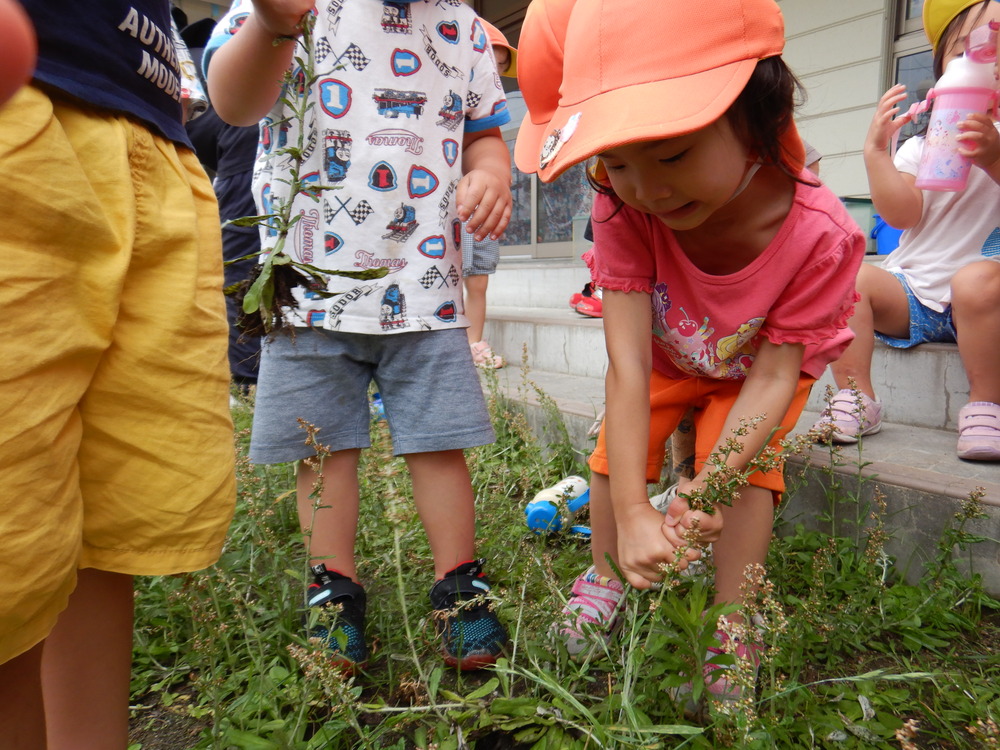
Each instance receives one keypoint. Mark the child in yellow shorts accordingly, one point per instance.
(116, 451)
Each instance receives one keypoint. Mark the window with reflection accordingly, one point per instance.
(559, 202)
(519, 229)
(916, 72)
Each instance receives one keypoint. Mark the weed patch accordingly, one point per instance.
(854, 658)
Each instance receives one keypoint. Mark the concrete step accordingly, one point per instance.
(578, 398)
(921, 387)
(924, 485)
(558, 340)
(536, 283)
(917, 457)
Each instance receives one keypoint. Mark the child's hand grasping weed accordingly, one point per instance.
(692, 519)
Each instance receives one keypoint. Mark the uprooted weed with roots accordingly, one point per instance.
(271, 285)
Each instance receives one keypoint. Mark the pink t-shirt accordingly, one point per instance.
(799, 290)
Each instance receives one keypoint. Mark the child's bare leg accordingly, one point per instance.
(22, 718)
(746, 535)
(475, 306)
(883, 305)
(87, 665)
(603, 532)
(442, 492)
(976, 312)
(333, 517)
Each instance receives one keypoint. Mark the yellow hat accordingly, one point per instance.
(497, 39)
(939, 13)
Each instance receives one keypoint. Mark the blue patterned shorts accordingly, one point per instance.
(926, 325)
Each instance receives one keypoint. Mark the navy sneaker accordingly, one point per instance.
(471, 635)
(343, 629)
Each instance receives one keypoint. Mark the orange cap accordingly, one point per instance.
(637, 70)
(497, 39)
(543, 34)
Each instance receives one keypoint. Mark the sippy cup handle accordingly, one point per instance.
(917, 108)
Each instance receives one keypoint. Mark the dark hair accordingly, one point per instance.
(760, 114)
(949, 34)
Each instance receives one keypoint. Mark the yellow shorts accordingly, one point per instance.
(116, 447)
(712, 400)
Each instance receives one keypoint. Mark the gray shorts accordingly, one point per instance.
(430, 388)
(479, 258)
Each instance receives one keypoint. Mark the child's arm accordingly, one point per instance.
(245, 75)
(894, 194)
(642, 548)
(18, 48)
(768, 390)
(483, 196)
(981, 143)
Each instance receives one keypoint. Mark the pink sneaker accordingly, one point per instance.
(720, 680)
(721, 683)
(593, 607)
(483, 356)
(845, 420)
(979, 431)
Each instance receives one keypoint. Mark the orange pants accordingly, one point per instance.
(670, 398)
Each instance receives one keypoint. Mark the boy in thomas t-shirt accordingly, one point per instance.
(405, 124)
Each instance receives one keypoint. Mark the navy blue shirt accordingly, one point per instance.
(113, 54)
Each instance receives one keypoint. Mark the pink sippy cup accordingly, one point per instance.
(969, 85)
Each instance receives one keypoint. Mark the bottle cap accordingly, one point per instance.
(981, 43)
(542, 517)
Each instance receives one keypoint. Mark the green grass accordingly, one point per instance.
(856, 658)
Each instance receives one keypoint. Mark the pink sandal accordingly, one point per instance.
(979, 431)
(483, 356)
(592, 610)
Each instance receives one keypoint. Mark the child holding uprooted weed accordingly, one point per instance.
(404, 123)
(728, 274)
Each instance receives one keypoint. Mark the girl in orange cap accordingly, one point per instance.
(728, 277)
(943, 281)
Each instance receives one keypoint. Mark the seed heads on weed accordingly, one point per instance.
(986, 731)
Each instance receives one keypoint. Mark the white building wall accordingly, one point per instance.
(840, 51)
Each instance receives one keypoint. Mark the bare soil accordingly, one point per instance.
(156, 727)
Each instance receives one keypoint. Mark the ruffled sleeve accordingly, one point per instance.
(622, 256)
(816, 307)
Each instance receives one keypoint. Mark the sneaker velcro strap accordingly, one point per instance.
(979, 415)
(844, 403)
(980, 420)
(459, 586)
(340, 588)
